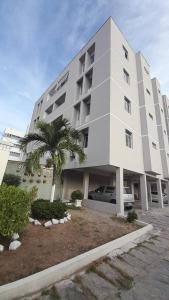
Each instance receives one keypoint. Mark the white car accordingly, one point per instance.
(108, 194)
(154, 197)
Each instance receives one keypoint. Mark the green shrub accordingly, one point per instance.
(11, 179)
(15, 206)
(44, 209)
(76, 195)
(132, 216)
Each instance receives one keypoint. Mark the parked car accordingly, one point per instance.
(154, 196)
(108, 194)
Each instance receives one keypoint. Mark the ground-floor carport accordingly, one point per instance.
(88, 179)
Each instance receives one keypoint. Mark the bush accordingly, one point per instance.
(15, 206)
(11, 179)
(44, 209)
(76, 195)
(132, 216)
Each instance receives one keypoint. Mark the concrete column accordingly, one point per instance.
(119, 192)
(159, 192)
(112, 180)
(143, 192)
(149, 191)
(132, 188)
(167, 190)
(85, 185)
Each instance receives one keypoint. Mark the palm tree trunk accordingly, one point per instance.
(53, 184)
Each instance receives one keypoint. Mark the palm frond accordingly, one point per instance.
(32, 163)
(34, 138)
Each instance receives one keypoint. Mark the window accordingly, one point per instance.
(53, 90)
(148, 92)
(62, 81)
(109, 189)
(49, 110)
(100, 189)
(126, 54)
(129, 138)
(60, 100)
(88, 82)
(145, 69)
(159, 91)
(86, 110)
(151, 116)
(161, 110)
(127, 105)
(77, 114)
(154, 145)
(126, 76)
(85, 134)
(91, 54)
(82, 63)
(79, 87)
(165, 131)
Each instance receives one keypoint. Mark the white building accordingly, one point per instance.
(107, 93)
(4, 156)
(13, 136)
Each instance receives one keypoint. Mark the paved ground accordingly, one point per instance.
(140, 274)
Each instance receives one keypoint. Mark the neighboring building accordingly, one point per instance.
(13, 136)
(107, 93)
(4, 156)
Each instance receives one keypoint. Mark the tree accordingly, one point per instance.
(54, 140)
(12, 179)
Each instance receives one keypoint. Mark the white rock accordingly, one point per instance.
(15, 236)
(68, 214)
(48, 224)
(61, 221)
(14, 245)
(36, 222)
(55, 221)
(65, 219)
(68, 218)
(1, 248)
(31, 220)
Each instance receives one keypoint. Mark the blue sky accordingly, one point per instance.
(39, 37)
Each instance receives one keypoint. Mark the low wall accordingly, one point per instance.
(34, 283)
(100, 206)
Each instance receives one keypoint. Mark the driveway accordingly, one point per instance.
(140, 274)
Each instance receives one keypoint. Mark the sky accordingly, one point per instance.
(39, 37)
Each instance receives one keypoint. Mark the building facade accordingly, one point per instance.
(4, 156)
(13, 136)
(107, 93)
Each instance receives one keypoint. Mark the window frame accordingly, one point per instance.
(129, 138)
(127, 105)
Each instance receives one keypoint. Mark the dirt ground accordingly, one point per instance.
(42, 248)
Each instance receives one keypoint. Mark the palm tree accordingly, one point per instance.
(53, 140)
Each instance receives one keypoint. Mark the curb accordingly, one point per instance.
(34, 283)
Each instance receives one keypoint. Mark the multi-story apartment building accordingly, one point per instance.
(107, 93)
(13, 136)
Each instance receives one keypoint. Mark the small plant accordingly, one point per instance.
(24, 180)
(14, 209)
(38, 181)
(76, 195)
(32, 174)
(44, 209)
(132, 216)
(44, 181)
(11, 179)
(31, 180)
(25, 174)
